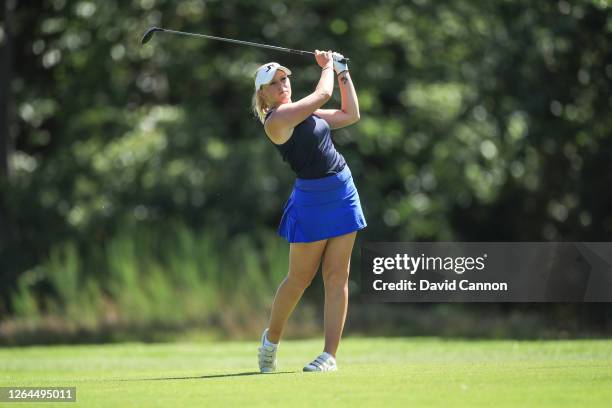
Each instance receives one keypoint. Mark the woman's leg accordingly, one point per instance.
(336, 265)
(304, 261)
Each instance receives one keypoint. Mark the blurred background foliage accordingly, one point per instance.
(138, 190)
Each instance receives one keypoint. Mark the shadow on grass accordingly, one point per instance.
(204, 377)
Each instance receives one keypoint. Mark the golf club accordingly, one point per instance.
(152, 30)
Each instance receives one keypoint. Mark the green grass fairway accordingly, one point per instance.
(373, 372)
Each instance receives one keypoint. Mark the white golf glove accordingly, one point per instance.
(339, 67)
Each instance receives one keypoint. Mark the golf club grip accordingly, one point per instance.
(300, 52)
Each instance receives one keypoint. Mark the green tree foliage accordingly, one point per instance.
(480, 121)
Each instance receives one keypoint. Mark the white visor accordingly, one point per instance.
(266, 72)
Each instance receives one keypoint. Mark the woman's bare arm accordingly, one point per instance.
(279, 126)
(349, 110)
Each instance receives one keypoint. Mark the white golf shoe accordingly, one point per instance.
(324, 362)
(267, 354)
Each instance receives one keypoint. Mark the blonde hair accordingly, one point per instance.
(259, 106)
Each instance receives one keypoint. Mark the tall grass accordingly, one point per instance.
(149, 277)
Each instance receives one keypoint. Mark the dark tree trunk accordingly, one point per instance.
(6, 60)
(6, 54)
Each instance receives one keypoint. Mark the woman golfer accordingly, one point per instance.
(323, 213)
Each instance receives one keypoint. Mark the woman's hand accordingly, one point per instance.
(324, 58)
(339, 65)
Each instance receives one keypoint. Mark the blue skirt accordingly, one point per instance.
(322, 208)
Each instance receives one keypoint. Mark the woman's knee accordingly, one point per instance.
(300, 280)
(336, 278)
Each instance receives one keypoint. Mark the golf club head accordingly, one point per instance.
(149, 34)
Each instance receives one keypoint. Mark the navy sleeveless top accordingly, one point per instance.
(310, 151)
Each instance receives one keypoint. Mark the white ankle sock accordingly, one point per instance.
(328, 355)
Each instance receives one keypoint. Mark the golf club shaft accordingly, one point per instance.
(152, 30)
(210, 37)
